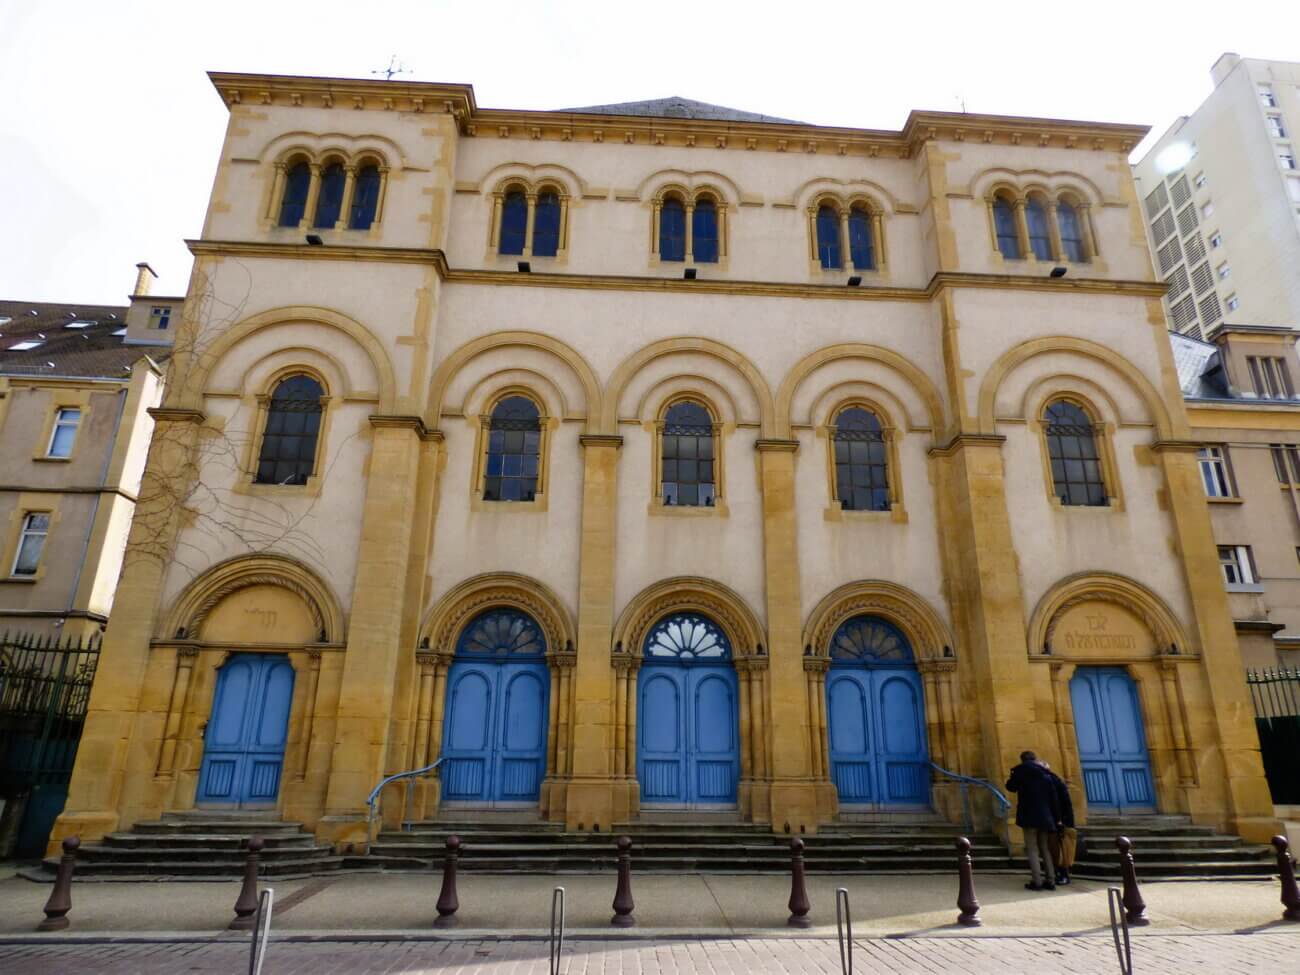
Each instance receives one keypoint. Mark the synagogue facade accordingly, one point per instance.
(660, 457)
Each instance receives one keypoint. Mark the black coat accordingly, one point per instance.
(1064, 804)
(1038, 806)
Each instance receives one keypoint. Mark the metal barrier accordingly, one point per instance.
(374, 799)
(557, 929)
(1002, 805)
(844, 930)
(1118, 927)
(261, 932)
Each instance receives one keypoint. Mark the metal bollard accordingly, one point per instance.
(246, 903)
(844, 930)
(60, 902)
(1119, 930)
(623, 893)
(1135, 908)
(799, 905)
(557, 929)
(970, 907)
(261, 932)
(1286, 873)
(448, 901)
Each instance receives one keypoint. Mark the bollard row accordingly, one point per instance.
(448, 899)
(246, 903)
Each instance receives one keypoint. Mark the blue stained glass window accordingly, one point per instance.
(1004, 222)
(1040, 241)
(502, 633)
(704, 232)
(861, 246)
(293, 205)
(329, 204)
(672, 230)
(868, 640)
(686, 637)
(861, 468)
(828, 237)
(365, 198)
(1067, 218)
(288, 454)
(1072, 450)
(514, 451)
(546, 226)
(514, 223)
(688, 476)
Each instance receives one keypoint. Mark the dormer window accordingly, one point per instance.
(160, 316)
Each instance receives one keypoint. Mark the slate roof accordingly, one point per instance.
(675, 106)
(91, 352)
(1200, 368)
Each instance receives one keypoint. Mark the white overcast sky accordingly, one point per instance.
(110, 130)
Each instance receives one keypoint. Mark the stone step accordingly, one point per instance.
(670, 865)
(1178, 869)
(191, 869)
(231, 857)
(223, 827)
(205, 841)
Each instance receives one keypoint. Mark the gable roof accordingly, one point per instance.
(93, 352)
(1200, 368)
(675, 106)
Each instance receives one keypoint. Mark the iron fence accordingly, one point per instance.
(1276, 695)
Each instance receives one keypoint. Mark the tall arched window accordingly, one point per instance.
(288, 454)
(862, 249)
(828, 237)
(329, 204)
(514, 223)
(1040, 237)
(704, 231)
(1004, 225)
(1067, 218)
(1072, 449)
(297, 184)
(672, 230)
(365, 198)
(861, 465)
(687, 456)
(546, 225)
(514, 451)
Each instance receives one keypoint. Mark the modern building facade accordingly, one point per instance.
(1221, 199)
(658, 457)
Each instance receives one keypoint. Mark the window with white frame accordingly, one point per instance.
(31, 542)
(64, 433)
(160, 316)
(1233, 302)
(1216, 241)
(1286, 156)
(1266, 96)
(1207, 211)
(1237, 564)
(1271, 377)
(1223, 271)
(1275, 127)
(1214, 472)
(1286, 463)
(1293, 187)
(1199, 181)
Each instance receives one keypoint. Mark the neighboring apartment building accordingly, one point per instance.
(76, 384)
(1221, 198)
(663, 456)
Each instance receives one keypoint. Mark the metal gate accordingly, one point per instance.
(44, 686)
(1276, 694)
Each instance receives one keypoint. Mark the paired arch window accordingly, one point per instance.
(690, 229)
(293, 202)
(861, 461)
(687, 471)
(289, 438)
(531, 224)
(1004, 226)
(514, 222)
(346, 195)
(1074, 454)
(330, 203)
(512, 467)
(672, 230)
(839, 232)
(1072, 244)
(1040, 238)
(1049, 229)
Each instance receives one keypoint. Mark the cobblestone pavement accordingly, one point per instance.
(1258, 953)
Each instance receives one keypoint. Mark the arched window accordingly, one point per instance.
(546, 225)
(514, 223)
(704, 231)
(828, 237)
(1040, 238)
(687, 637)
(502, 633)
(672, 230)
(870, 640)
(365, 198)
(288, 454)
(1072, 449)
(1067, 218)
(329, 205)
(297, 184)
(687, 455)
(514, 451)
(1004, 224)
(862, 249)
(861, 468)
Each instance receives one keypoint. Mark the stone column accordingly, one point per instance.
(277, 193)
(1054, 232)
(529, 223)
(1022, 232)
(313, 196)
(690, 232)
(349, 190)
(185, 657)
(878, 239)
(309, 713)
(1176, 715)
(1084, 211)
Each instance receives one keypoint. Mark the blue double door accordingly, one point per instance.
(243, 748)
(688, 748)
(494, 732)
(876, 726)
(1112, 741)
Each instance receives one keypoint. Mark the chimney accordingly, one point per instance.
(144, 276)
(1223, 67)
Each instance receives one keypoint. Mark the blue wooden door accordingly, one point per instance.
(878, 750)
(243, 747)
(1112, 740)
(688, 752)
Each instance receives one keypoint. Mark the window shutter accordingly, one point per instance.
(1157, 200)
(1177, 283)
(1163, 226)
(1195, 248)
(1202, 279)
(1187, 220)
(1180, 191)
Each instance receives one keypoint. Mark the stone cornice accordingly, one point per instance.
(963, 440)
(415, 423)
(600, 440)
(352, 93)
(776, 446)
(1176, 446)
(172, 415)
(325, 252)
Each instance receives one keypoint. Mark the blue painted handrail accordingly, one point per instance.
(410, 775)
(1002, 803)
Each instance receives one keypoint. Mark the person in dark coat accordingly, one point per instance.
(1038, 814)
(1066, 836)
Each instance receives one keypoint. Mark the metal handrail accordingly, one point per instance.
(1002, 803)
(410, 775)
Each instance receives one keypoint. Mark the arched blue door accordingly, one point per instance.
(1112, 740)
(494, 732)
(688, 747)
(876, 716)
(243, 745)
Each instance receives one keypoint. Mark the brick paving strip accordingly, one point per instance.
(1259, 953)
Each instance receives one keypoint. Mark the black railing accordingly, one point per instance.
(1276, 695)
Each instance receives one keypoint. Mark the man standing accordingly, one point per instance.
(1038, 814)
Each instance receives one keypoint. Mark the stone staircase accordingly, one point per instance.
(198, 845)
(1169, 848)
(916, 844)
